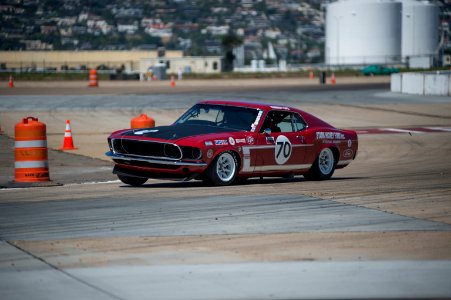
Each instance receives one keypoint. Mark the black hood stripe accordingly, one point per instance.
(175, 132)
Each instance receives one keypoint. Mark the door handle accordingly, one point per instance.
(300, 137)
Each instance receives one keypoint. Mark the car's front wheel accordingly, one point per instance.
(323, 167)
(223, 169)
(134, 181)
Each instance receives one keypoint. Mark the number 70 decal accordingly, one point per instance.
(283, 149)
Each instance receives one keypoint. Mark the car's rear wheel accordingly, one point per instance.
(134, 181)
(323, 167)
(222, 170)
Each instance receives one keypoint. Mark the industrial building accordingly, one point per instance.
(361, 32)
(127, 61)
(185, 64)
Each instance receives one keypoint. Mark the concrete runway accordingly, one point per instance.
(46, 228)
(380, 229)
(283, 280)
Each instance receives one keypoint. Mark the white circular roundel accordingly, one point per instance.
(283, 149)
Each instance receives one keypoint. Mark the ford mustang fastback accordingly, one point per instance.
(221, 142)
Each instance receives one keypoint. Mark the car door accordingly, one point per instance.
(281, 144)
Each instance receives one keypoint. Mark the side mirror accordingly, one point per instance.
(267, 131)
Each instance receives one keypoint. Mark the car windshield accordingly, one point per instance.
(234, 117)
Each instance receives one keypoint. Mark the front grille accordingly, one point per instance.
(146, 148)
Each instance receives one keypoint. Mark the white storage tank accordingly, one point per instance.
(363, 32)
(420, 23)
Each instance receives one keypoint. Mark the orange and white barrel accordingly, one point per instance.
(30, 151)
(93, 80)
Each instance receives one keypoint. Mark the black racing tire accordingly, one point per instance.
(324, 166)
(222, 170)
(133, 181)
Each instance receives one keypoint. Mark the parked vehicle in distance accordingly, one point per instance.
(221, 142)
(378, 70)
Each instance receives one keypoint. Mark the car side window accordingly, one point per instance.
(283, 121)
(272, 122)
(285, 124)
(298, 123)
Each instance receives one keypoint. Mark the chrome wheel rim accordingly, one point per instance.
(225, 167)
(326, 161)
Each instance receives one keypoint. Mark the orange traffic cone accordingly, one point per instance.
(172, 81)
(333, 80)
(68, 143)
(310, 75)
(11, 81)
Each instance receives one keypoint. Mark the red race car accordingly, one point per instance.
(222, 142)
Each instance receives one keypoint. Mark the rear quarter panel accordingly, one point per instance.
(343, 142)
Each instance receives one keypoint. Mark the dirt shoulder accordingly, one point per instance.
(183, 86)
(335, 246)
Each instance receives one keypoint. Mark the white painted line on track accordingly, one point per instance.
(440, 128)
(93, 183)
(402, 130)
(69, 184)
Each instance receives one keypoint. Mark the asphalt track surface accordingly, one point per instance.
(381, 229)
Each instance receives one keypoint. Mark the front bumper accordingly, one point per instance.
(162, 162)
(155, 168)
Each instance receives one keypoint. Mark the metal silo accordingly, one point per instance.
(363, 32)
(420, 23)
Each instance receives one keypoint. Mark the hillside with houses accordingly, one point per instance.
(262, 29)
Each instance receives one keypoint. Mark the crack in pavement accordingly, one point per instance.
(56, 268)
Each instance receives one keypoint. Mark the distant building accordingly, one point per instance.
(127, 28)
(36, 45)
(132, 61)
(63, 60)
(186, 64)
(216, 30)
